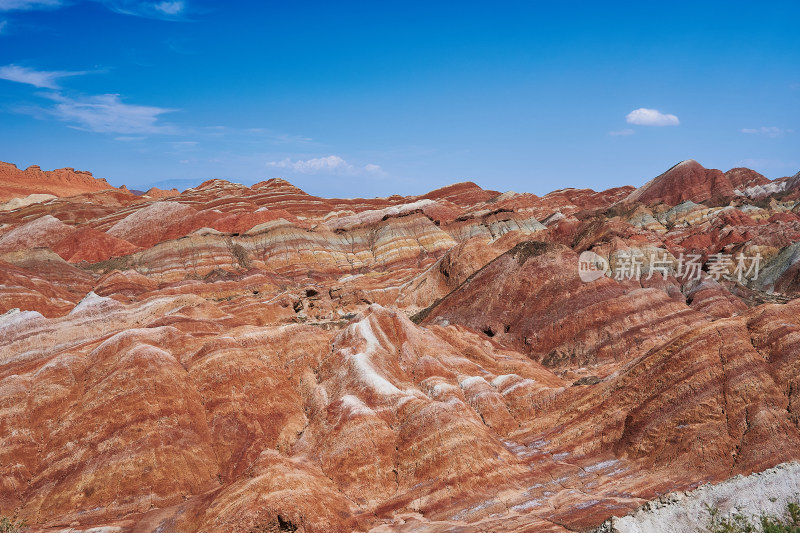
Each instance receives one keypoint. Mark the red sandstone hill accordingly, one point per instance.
(235, 358)
(689, 180)
(16, 183)
(155, 192)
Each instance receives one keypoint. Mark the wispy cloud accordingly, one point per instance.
(622, 133)
(284, 138)
(42, 79)
(104, 113)
(159, 9)
(107, 113)
(3, 26)
(21, 5)
(168, 10)
(651, 117)
(110, 114)
(332, 164)
(767, 131)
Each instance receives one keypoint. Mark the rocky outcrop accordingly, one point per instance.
(766, 493)
(16, 183)
(155, 192)
(689, 180)
(16, 203)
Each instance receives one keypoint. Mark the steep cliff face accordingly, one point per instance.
(17, 183)
(237, 358)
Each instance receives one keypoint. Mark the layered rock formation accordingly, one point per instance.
(30, 185)
(689, 180)
(237, 358)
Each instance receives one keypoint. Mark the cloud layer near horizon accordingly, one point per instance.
(332, 164)
(767, 131)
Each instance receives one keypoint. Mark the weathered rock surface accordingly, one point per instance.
(763, 494)
(532, 299)
(237, 358)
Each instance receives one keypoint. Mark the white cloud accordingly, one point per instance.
(621, 133)
(38, 78)
(170, 10)
(332, 164)
(651, 117)
(767, 131)
(160, 9)
(106, 113)
(20, 5)
(285, 138)
(312, 166)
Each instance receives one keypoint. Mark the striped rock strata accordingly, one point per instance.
(237, 358)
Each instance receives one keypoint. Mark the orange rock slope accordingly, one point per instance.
(17, 183)
(237, 358)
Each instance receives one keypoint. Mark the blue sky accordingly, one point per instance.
(375, 98)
